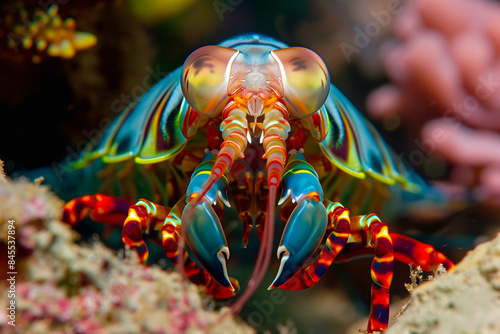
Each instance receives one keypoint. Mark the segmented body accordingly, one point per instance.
(352, 160)
(227, 123)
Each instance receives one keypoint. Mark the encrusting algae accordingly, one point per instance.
(63, 287)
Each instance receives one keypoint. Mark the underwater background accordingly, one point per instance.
(427, 74)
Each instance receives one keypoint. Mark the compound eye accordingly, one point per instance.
(205, 77)
(305, 78)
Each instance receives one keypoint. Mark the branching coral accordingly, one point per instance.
(445, 69)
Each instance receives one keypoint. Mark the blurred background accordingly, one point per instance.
(427, 74)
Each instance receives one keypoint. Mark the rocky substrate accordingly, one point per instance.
(63, 287)
(465, 300)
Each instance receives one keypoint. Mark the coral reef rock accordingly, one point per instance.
(63, 287)
(466, 300)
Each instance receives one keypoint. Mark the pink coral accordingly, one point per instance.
(445, 69)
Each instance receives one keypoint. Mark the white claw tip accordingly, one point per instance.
(224, 250)
(284, 198)
(284, 254)
(223, 256)
(281, 250)
(225, 201)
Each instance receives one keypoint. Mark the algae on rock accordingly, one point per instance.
(63, 287)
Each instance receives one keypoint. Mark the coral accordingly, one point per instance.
(465, 300)
(445, 71)
(47, 32)
(63, 287)
(71, 100)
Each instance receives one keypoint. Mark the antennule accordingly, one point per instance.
(276, 129)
